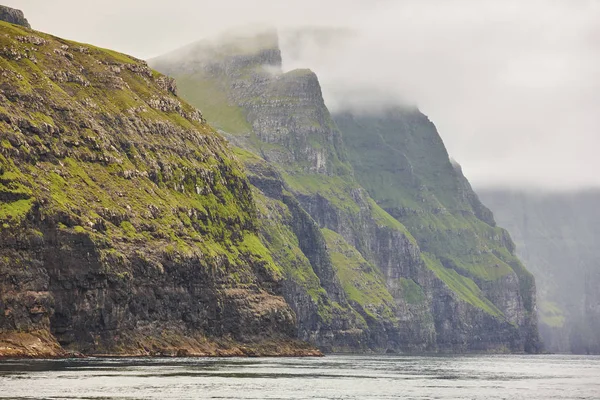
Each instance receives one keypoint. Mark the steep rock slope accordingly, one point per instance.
(126, 225)
(13, 16)
(399, 157)
(302, 176)
(556, 235)
(374, 287)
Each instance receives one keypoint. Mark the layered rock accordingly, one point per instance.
(400, 159)
(392, 296)
(126, 224)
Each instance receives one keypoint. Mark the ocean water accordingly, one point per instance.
(333, 377)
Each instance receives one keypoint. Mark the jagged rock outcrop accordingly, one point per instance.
(126, 224)
(393, 296)
(556, 236)
(13, 16)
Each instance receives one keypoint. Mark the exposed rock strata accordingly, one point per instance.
(392, 295)
(126, 224)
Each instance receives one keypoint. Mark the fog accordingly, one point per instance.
(513, 86)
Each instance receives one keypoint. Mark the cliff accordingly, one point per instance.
(358, 274)
(127, 226)
(13, 16)
(399, 157)
(556, 235)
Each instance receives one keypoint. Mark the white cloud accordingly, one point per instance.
(513, 86)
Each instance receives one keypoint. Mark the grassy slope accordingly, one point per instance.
(402, 162)
(466, 289)
(467, 249)
(363, 283)
(275, 227)
(216, 108)
(93, 169)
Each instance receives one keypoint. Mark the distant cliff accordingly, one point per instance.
(383, 244)
(557, 235)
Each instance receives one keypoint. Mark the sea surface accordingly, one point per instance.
(332, 377)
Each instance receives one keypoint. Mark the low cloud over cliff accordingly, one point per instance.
(512, 86)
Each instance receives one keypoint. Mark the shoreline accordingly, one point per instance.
(72, 356)
(43, 346)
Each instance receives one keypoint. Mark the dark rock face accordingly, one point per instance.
(126, 224)
(91, 310)
(13, 16)
(324, 317)
(376, 289)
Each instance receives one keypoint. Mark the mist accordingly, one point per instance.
(512, 86)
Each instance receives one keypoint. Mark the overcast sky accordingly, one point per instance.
(513, 86)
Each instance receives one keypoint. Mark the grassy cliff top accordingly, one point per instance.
(97, 143)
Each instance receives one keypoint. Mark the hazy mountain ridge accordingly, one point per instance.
(556, 235)
(485, 304)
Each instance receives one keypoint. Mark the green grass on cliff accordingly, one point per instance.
(247, 157)
(362, 282)
(400, 159)
(105, 152)
(253, 245)
(336, 189)
(14, 211)
(412, 293)
(15, 191)
(551, 314)
(465, 288)
(462, 242)
(276, 234)
(382, 217)
(213, 101)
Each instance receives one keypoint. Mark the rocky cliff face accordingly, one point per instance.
(556, 236)
(400, 159)
(13, 16)
(357, 276)
(126, 224)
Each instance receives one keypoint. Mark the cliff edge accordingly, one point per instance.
(127, 226)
